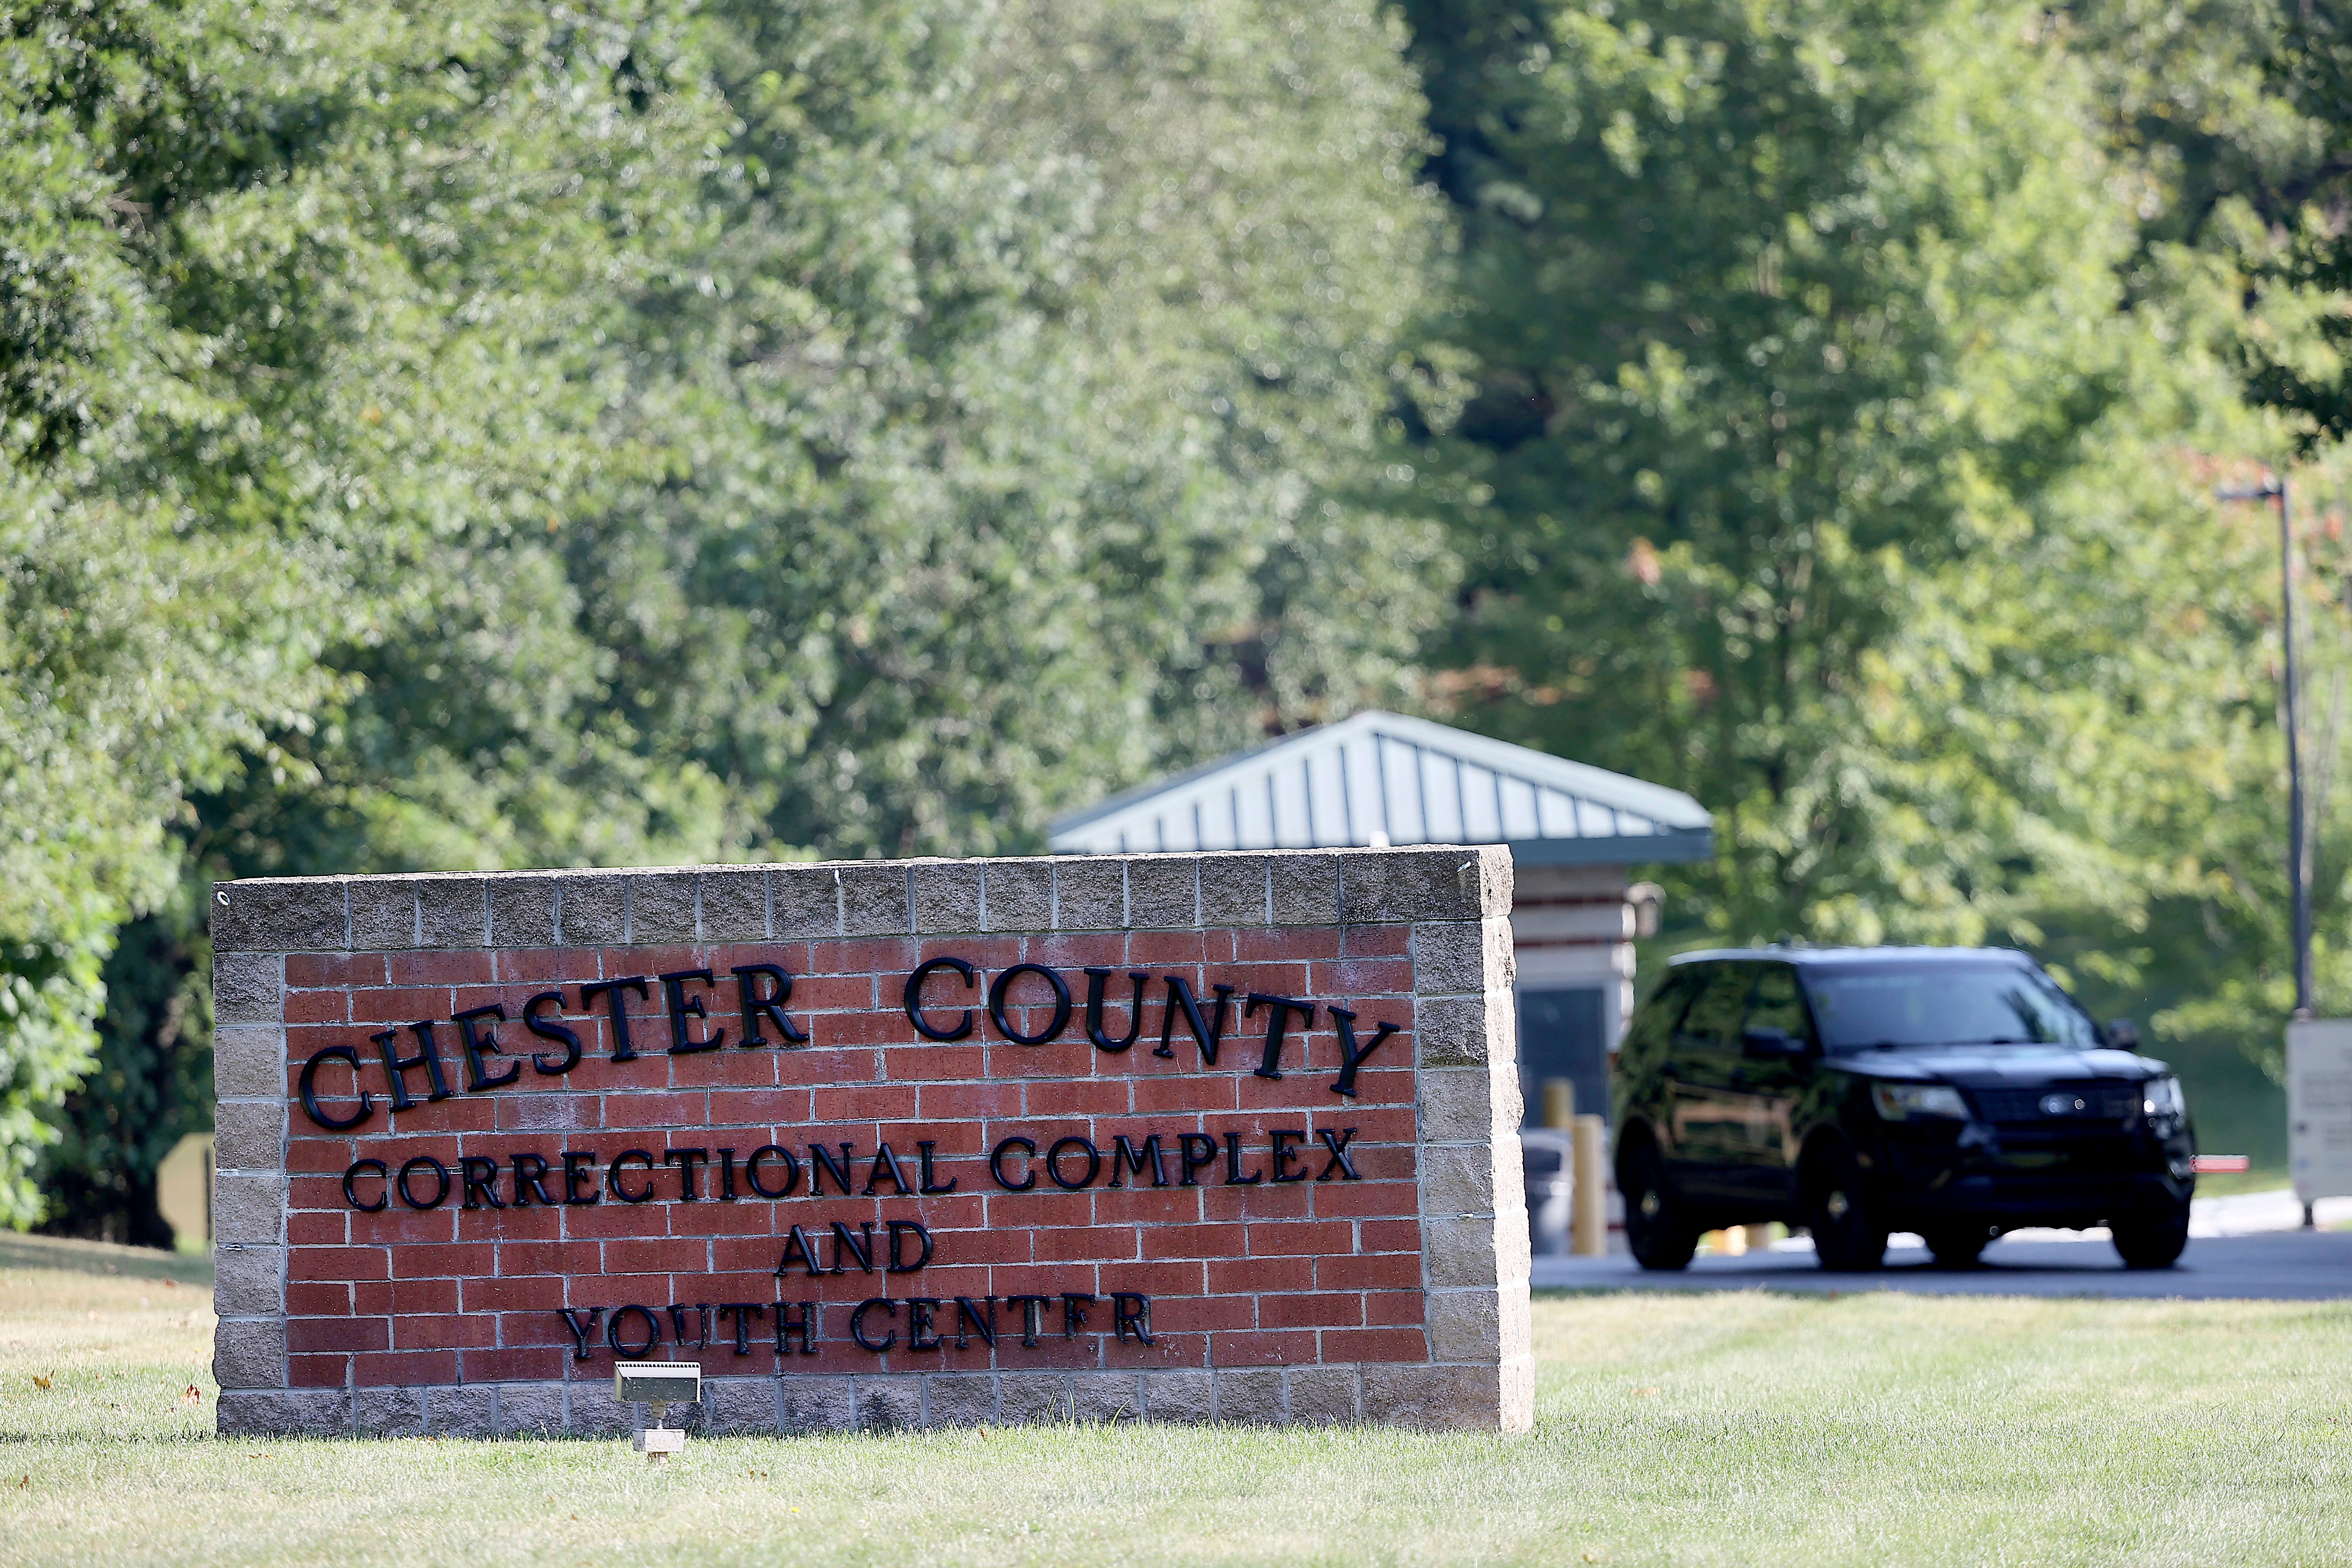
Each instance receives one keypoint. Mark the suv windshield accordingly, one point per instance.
(1944, 1004)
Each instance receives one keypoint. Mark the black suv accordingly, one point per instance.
(1956, 1092)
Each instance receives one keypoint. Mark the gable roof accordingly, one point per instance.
(1385, 779)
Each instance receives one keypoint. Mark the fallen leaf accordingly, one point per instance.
(191, 1396)
(171, 1284)
(23, 1481)
(40, 1382)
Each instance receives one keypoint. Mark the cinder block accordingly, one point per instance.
(1039, 1397)
(1105, 1397)
(1188, 1396)
(1250, 1398)
(248, 1281)
(1436, 884)
(961, 1399)
(452, 912)
(1234, 892)
(1456, 1398)
(739, 1406)
(531, 1410)
(875, 901)
(1466, 1031)
(947, 897)
(467, 1412)
(249, 1352)
(388, 1412)
(1455, 957)
(1463, 1325)
(248, 988)
(383, 914)
(886, 1404)
(593, 1412)
(299, 1413)
(592, 909)
(661, 907)
(1090, 894)
(1323, 1395)
(1459, 1253)
(806, 902)
(1163, 892)
(1017, 895)
(250, 1135)
(248, 1060)
(248, 1208)
(1457, 1179)
(273, 914)
(1305, 889)
(522, 912)
(817, 1405)
(735, 909)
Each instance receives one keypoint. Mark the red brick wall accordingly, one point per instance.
(1299, 1272)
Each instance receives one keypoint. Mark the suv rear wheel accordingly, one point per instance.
(1848, 1235)
(2152, 1238)
(1655, 1231)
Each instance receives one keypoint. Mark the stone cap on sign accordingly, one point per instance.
(860, 898)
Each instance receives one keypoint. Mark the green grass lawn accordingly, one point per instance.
(1669, 1428)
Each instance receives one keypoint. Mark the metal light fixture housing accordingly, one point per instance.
(659, 1384)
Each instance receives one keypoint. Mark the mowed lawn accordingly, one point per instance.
(1669, 1428)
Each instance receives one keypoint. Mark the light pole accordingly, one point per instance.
(2298, 869)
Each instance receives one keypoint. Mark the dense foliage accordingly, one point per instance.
(492, 435)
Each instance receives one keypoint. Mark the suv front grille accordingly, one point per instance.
(2040, 1106)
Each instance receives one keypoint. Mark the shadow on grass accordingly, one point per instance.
(104, 1257)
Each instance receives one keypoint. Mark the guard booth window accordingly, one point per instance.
(1561, 1036)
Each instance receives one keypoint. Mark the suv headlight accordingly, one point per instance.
(2162, 1097)
(1901, 1101)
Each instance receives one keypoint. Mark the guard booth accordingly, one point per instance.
(1380, 780)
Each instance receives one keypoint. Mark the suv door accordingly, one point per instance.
(1770, 1082)
(1707, 1123)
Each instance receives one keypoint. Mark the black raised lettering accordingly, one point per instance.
(857, 1323)
(969, 1323)
(726, 1175)
(1208, 1033)
(383, 1174)
(396, 1066)
(1338, 1161)
(845, 1245)
(1096, 981)
(929, 1186)
(478, 1176)
(309, 1089)
(580, 1330)
(1234, 1177)
(560, 1033)
(1351, 1059)
(919, 1322)
(788, 1327)
(899, 1230)
(1028, 1148)
(1198, 1151)
(1125, 1157)
(613, 1176)
(440, 1179)
(475, 1046)
(612, 1332)
(821, 1161)
(1130, 1313)
(1073, 1312)
(681, 1008)
(1033, 1310)
(1053, 1162)
(1281, 1008)
(798, 1245)
(701, 1310)
(743, 1313)
(1001, 990)
(768, 1006)
(923, 972)
(624, 1049)
(886, 1163)
(1285, 1155)
(792, 1170)
(683, 1159)
(579, 1164)
(530, 1177)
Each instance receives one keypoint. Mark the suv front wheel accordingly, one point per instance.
(1655, 1231)
(2152, 1238)
(1848, 1235)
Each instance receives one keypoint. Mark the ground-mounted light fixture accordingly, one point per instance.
(660, 1384)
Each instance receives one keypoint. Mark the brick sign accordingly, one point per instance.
(1175, 1137)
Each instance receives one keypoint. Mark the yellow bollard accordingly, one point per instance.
(1559, 1103)
(1588, 1226)
(1759, 1237)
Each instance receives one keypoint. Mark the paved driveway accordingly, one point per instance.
(2239, 1248)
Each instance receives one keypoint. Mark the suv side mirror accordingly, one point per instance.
(1772, 1045)
(2123, 1034)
